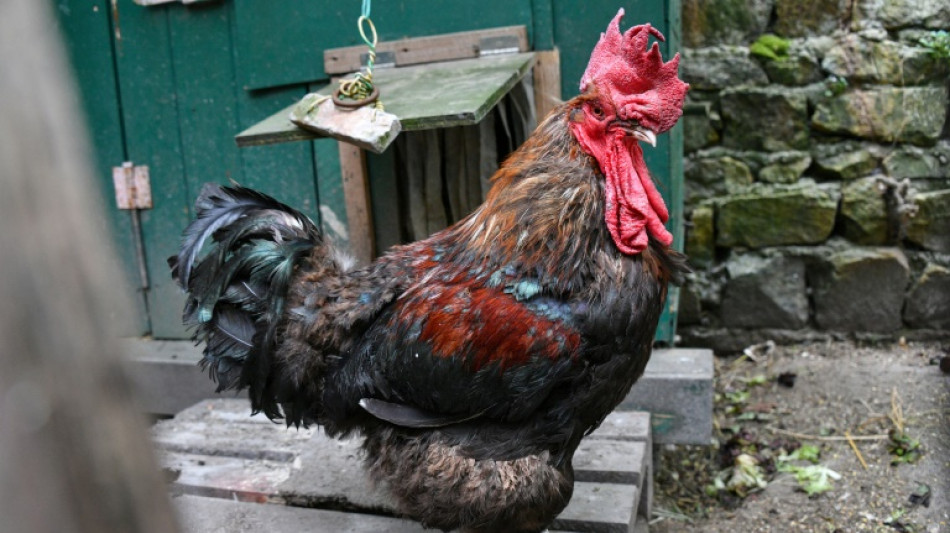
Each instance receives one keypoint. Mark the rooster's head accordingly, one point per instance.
(628, 95)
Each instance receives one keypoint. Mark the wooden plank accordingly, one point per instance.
(222, 411)
(418, 50)
(486, 146)
(87, 32)
(232, 478)
(369, 128)
(423, 97)
(213, 515)
(273, 442)
(359, 213)
(276, 128)
(466, 90)
(412, 183)
(282, 43)
(454, 162)
(436, 218)
(331, 475)
(547, 82)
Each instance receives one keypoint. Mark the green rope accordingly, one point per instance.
(361, 85)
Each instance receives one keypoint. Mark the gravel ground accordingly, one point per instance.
(839, 389)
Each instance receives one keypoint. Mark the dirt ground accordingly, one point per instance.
(838, 389)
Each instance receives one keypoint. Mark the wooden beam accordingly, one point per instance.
(359, 213)
(419, 50)
(547, 82)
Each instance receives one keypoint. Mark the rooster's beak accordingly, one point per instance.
(645, 135)
(639, 132)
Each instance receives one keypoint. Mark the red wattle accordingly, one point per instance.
(634, 206)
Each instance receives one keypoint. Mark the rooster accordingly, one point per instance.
(472, 362)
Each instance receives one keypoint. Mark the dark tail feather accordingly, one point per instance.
(236, 292)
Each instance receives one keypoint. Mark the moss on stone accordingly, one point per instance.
(777, 215)
(710, 22)
(930, 227)
(847, 165)
(770, 46)
(785, 167)
(860, 289)
(863, 214)
(889, 114)
(928, 303)
(701, 236)
(769, 118)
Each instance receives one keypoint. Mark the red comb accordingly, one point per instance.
(635, 77)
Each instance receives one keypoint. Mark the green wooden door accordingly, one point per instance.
(160, 88)
(168, 86)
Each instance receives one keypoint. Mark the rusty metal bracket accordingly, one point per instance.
(501, 44)
(133, 192)
(133, 189)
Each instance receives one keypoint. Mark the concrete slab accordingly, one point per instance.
(166, 375)
(600, 508)
(610, 461)
(677, 390)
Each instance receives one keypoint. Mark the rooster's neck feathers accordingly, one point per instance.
(545, 210)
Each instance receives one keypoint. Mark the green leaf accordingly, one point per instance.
(806, 453)
(813, 479)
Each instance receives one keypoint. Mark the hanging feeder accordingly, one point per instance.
(353, 113)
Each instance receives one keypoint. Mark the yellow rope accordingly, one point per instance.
(361, 85)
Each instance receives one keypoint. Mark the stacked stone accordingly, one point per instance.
(817, 170)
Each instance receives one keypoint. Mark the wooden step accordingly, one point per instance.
(216, 451)
(676, 388)
(197, 514)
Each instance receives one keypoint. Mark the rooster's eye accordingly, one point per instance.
(597, 111)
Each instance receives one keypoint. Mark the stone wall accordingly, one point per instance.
(817, 170)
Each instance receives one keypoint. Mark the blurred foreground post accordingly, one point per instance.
(74, 454)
